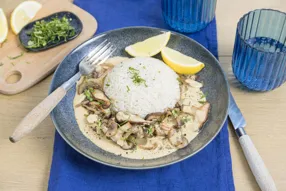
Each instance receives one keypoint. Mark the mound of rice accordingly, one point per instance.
(160, 91)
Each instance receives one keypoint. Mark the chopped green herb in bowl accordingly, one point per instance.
(44, 33)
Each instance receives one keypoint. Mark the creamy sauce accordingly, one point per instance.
(190, 130)
(163, 149)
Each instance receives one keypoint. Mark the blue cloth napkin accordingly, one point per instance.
(209, 170)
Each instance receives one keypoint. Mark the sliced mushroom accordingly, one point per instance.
(183, 144)
(85, 83)
(107, 113)
(168, 123)
(104, 128)
(126, 135)
(149, 146)
(184, 118)
(171, 132)
(194, 83)
(189, 109)
(202, 114)
(176, 139)
(154, 116)
(101, 98)
(112, 129)
(117, 136)
(134, 129)
(92, 118)
(90, 109)
(124, 144)
(140, 133)
(126, 127)
(159, 131)
(123, 117)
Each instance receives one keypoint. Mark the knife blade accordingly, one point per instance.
(256, 164)
(236, 117)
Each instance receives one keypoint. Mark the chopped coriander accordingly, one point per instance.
(175, 113)
(98, 126)
(204, 95)
(144, 67)
(128, 89)
(88, 93)
(202, 102)
(150, 130)
(15, 57)
(186, 119)
(44, 33)
(107, 85)
(179, 80)
(123, 123)
(136, 78)
(100, 102)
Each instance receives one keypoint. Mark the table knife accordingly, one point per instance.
(256, 164)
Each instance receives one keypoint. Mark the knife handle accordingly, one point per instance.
(257, 166)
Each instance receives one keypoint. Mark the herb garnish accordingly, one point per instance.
(136, 78)
(107, 85)
(150, 130)
(175, 113)
(53, 31)
(88, 93)
(186, 119)
(128, 89)
(12, 63)
(179, 80)
(15, 57)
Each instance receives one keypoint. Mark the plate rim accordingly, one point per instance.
(141, 167)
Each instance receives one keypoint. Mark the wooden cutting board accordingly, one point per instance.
(20, 74)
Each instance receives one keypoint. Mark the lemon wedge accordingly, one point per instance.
(150, 46)
(181, 63)
(3, 26)
(23, 14)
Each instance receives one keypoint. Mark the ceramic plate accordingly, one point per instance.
(214, 80)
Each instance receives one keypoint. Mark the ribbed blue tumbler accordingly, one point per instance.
(188, 15)
(259, 55)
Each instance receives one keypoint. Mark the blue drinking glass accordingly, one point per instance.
(188, 15)
(259, 55)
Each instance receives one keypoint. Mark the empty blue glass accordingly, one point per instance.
(188, 15)
(259, 55)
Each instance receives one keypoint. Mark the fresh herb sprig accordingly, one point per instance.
(136, 78)
(53, 31)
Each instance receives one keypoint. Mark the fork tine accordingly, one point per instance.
(105, 56)
(95, 50)
(99, 53)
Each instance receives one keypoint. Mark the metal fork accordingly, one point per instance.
(97, 56)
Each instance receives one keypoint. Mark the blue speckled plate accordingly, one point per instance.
(212, 75)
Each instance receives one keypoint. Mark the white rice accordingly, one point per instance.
(162, 91)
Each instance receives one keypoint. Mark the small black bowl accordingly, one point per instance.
(75, 22)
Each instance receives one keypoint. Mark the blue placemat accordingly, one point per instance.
(209, 170)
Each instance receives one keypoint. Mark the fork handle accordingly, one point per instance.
(38, 114)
